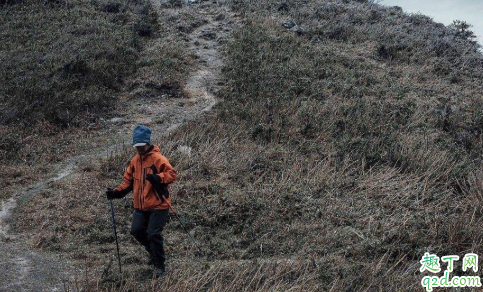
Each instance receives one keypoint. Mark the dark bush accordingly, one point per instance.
(143, 28)
(462, 30)
(9, 2)
(147, 22)
(340, 32)
(111, 7)
(77, 68)
(175, 3)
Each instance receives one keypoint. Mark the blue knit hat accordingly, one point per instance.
(141, 136)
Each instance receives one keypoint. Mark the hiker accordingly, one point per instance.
(148, 175)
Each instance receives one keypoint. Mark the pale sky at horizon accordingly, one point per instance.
(445, 11)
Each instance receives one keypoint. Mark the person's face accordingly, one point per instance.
(142, 149)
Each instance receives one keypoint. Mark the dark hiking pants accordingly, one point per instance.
(146, 228)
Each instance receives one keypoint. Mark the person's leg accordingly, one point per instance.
(157, 220)
(139, 228)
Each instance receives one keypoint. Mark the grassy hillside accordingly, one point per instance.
(66, 67)
(64, 61)
(348, 144)
(62, 65)
(352, 142)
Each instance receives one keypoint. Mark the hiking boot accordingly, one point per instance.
(151, 257)
(159, 271)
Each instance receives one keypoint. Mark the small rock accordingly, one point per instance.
(220, 17)
(116, 120)
(289, 24)
(184, 149)
(292, 26)
(297, 29)
(315, 39)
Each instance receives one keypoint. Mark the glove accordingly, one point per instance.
(153, 179)
(113, 194)
(160, 189)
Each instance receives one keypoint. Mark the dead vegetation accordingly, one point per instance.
(342, 152)
(56, 94)
(47, 74)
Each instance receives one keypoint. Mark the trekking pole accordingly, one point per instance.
(184, 227)
(157, 189)
(115, 234)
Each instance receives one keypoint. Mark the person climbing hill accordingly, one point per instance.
(148, 173)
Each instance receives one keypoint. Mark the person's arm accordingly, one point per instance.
(127, 181)
(163, 172)
(167, 174)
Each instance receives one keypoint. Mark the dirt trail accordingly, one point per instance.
(25, 269)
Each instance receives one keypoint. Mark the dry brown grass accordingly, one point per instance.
(327, 167)
(270, 275)
(58, 115)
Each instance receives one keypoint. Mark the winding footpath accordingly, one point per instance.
(23, 268)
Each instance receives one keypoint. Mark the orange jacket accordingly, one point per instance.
(134, 178)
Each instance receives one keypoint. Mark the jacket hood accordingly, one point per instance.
(154, 149)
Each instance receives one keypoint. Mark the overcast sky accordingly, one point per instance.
(446, 11)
